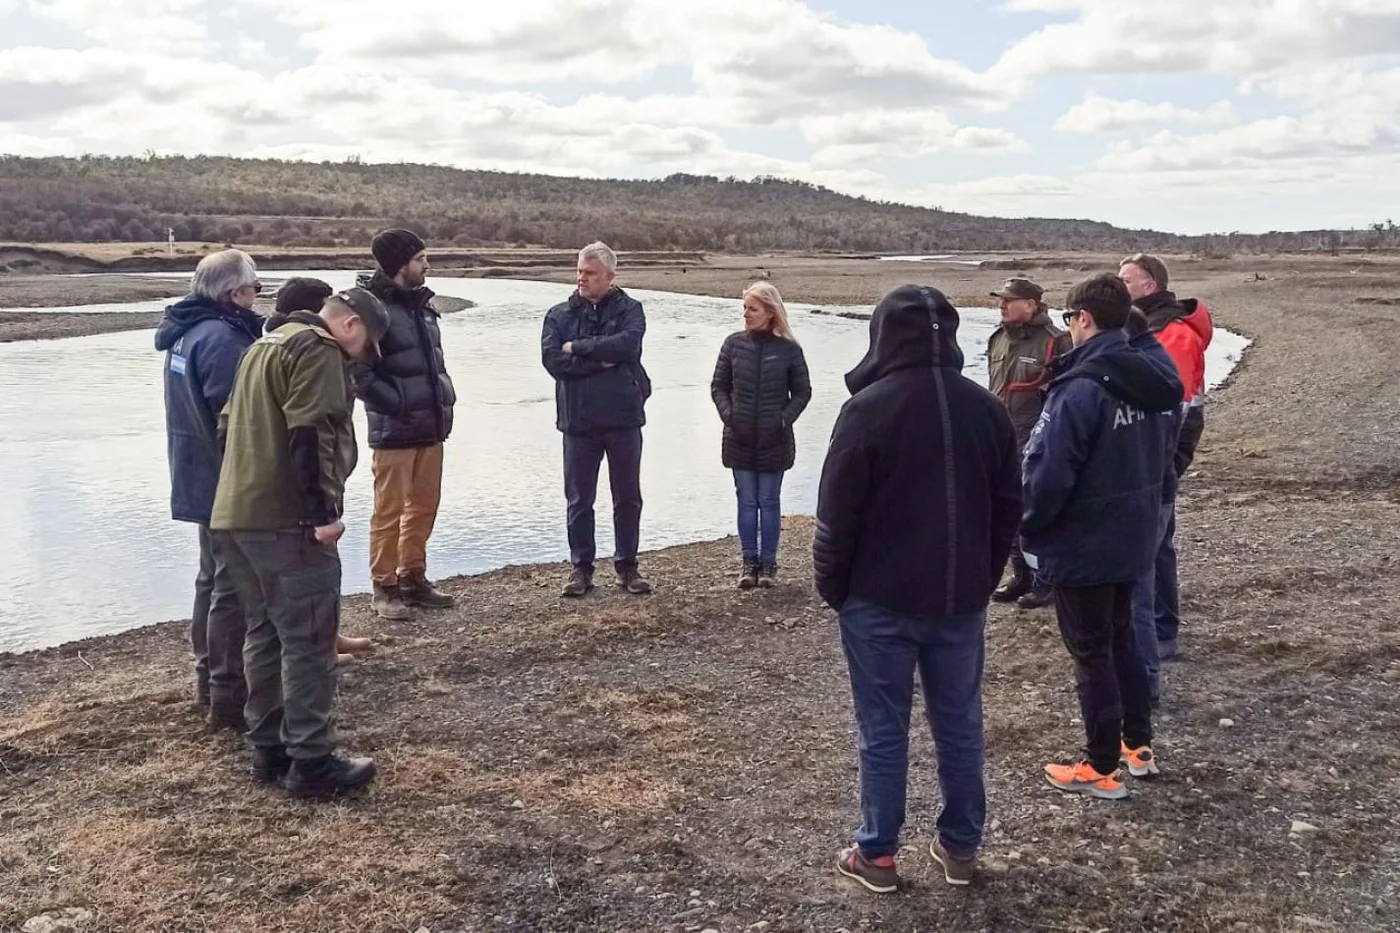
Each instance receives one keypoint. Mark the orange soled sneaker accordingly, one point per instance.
(1140, 762)
(1081, 778)
(877, 874)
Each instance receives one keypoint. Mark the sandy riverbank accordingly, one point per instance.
(685, 762)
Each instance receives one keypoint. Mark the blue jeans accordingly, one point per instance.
(1145, 604)
(760, 509)
(1167, 605)
(883, 649)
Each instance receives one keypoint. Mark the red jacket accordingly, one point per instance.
(1185, 339)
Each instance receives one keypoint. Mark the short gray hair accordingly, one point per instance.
(220, 273)
(601, 253)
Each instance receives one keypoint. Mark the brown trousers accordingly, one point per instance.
(407, 490)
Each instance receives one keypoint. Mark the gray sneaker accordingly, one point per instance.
(388, 604)
(958, 871)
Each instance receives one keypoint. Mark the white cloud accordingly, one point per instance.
(157, 25)
(1099, 114)
(1228, 37)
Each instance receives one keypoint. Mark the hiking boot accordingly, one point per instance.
(580, 584)
(388, 604)
(1166, 649)
(748, 577)
(270, 764)
(1040, 596)
(633, 582)
(1014, 588)
(1081, 778)
(323, 778)
(228, 717)
(958, 871)
(767, 575)
(1140, 762)
(878, 875)
(417, 591)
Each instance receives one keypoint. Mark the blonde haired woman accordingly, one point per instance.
(760, 387)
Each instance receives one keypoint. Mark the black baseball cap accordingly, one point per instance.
(369, 309)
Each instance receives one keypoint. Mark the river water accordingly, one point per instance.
(87, 546)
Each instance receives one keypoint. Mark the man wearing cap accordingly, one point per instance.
(1019, 353)
(289, 445)
(408, 399)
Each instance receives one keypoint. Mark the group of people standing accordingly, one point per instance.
(1068, 467)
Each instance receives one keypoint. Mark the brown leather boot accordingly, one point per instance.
(417, 591)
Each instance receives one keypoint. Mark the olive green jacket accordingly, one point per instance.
(1017, 361)
(289, 442)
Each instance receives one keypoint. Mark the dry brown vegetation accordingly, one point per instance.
(685, 762)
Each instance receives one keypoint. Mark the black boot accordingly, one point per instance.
(1019, 585)
(270, 765)
(230, 717)
(748, 577)
(767, 575)
(323, 778)
(1041, 595)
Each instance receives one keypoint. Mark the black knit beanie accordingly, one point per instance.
(302, 294)
(393, 249)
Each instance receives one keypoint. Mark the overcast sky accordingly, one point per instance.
(1184, 115)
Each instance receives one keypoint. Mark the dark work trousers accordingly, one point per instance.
(583, 455)
(217, 628)
(1167, 600)
(291, 587)
(1096, 624)
(1018, 560)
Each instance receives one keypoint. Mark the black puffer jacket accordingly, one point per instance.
(760, 387)
(407, 393)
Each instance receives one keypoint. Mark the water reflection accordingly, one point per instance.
(87, 546)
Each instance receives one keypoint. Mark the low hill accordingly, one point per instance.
(102, 199)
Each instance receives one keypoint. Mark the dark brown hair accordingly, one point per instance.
(1104, 298)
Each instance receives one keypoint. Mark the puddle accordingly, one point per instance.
(88, 548)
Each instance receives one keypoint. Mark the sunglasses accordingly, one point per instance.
(1070, 316)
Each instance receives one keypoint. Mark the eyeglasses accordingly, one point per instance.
(1070, 316)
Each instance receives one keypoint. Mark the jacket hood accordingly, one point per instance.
(1197, 317)
(390, 292)
(913, 326)
(1161, 309)
(192, 309)
(1127, 372)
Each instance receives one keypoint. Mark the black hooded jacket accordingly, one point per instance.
(407, 393)
(921, 491)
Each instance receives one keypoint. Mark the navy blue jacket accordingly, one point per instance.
(601, 386)
(921, 490)
(407, 393)
(1095, 464)
(203, 342)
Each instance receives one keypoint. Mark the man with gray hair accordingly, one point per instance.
(203, 336)
(592, 346)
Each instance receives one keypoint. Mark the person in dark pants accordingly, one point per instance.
(289, 447)
(204, 335)
(918, 505)
(408, 398)
(1019, 354)
(1184, 329)
(1093, 476)
(760, 388)
(592, 346)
